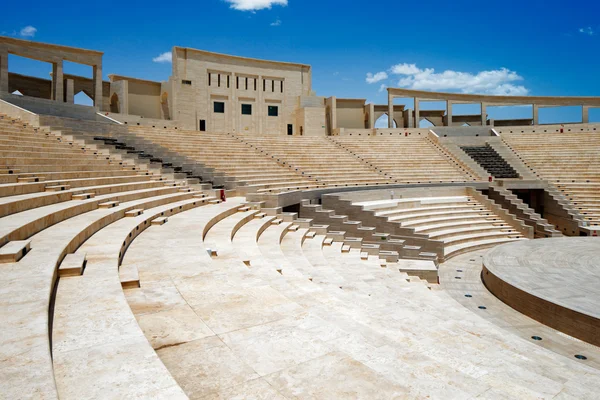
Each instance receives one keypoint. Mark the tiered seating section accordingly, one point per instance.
(276, 310)
(231, 157)
(278, 164)
(462, 223)
(407, 159)
(121, 283)
(320, 159)
(570, 161)
(55, 196)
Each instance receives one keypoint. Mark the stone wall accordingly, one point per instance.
(202, 78)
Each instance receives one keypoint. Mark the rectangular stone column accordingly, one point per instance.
(98, 87)
(58, 82)
(70, 94)
(417, 114)
(371, 111)
(448, 113)
(4, 71)
(390, 111)
(536, 112)
(585, 114)
(483, 114)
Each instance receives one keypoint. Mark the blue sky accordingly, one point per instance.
(517, 47)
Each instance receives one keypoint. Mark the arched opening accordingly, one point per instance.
(83, 99)
(114, 104)
(425, 123)
(164, 103)
(382, 122)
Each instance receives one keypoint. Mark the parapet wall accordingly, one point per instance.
(553, 128)
(96, 127)
(136, 120)
(50, 107)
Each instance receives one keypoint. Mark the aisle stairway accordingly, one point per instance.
(491, 161)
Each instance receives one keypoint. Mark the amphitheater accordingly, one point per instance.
(229, 234)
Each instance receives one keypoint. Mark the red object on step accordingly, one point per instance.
(222, 195)
(491, 178)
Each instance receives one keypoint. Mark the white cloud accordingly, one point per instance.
(29, 31)
(255, 5)
(382, 87)
(404, 69)
(496, 82)
(277, 22)
(166, 57)
(379, 76)
(587, 31)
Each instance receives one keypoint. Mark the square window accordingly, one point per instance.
(219, 107)
(246, 109)
(273, 111)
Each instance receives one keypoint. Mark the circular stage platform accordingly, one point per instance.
(554, 281)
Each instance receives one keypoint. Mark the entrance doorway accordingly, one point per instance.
(202, 125)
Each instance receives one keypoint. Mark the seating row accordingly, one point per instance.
(569, 161)
(275, 312)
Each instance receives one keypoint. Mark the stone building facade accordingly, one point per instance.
(222, 93)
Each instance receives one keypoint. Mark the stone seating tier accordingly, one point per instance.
(570, 161)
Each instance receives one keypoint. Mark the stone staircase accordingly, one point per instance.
(381, 235)
(491, 161)
(509, 201)
(458, 153)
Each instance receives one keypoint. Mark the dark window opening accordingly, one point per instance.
(246, 83)
(237, 82)
(290, 129)
(255, 84)
(264, 85)
(281, 86)
(246, 109)
(227, 81)
(273, 111)
(219, 80)
(209, 79)
(273, 86)
(186, 82)
(219, 107)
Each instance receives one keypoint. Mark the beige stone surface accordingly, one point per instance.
(355, 330)
(213, 367)
(468, 268)
(271, 312)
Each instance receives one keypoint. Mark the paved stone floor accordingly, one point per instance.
(460, 276)
(283, 319)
